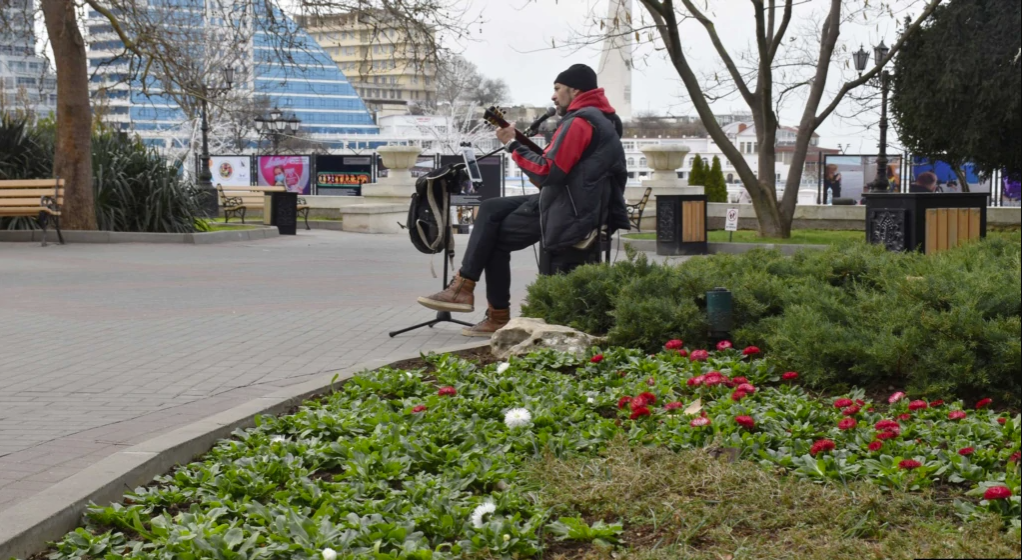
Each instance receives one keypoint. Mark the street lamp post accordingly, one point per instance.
(277, 125)
(880, 184)
(210, 201)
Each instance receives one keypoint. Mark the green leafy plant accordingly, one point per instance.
(716, 185)
(697, 177)
(576, 529)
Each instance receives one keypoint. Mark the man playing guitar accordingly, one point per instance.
(581, 176)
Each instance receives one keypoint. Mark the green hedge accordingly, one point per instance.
(854, 315)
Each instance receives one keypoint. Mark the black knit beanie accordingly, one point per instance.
(579, 76)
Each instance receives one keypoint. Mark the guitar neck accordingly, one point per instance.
(525, 141)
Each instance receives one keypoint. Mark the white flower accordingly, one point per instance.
(518, 418)
(329, 554)
(503, 367)
(278, 439)
(480, 513)
(591, 400)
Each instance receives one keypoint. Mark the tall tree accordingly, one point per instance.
(780, 66)
(162, 53)
(956, 87)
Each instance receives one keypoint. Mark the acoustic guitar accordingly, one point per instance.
(495, 117)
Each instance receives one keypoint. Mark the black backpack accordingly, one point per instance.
(426, 219)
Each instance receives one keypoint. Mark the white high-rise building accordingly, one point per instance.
(26, 83)
(615, 71)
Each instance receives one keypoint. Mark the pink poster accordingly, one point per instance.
(292, 172)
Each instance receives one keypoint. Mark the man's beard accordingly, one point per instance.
(561, 111)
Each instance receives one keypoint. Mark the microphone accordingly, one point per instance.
(534, 127)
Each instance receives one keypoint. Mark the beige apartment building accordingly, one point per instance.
(380, 62)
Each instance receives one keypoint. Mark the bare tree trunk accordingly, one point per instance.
(73, 158)
(963, 179)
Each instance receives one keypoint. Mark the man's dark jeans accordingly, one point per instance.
(503, 226)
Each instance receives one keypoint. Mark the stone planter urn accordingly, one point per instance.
(399, 160)
(665, 161)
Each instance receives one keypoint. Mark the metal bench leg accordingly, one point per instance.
(243, 212)
(56, 225)
(306, 212)
(44, 221)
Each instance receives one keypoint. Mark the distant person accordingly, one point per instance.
(831, 183)
(925, 183)
(893, 181)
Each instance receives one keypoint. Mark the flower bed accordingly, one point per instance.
(427, 465)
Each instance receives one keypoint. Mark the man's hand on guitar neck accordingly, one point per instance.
(506, 134)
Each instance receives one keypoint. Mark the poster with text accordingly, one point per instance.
(343, 175)
(231, 171)
(291, 172)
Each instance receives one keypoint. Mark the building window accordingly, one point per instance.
(631, 162)
(642, 162)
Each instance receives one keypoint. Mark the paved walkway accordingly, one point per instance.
(105, 346)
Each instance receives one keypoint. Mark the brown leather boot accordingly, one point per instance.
(495, 320)
(457, 298)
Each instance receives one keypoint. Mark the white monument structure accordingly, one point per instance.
(615, 71)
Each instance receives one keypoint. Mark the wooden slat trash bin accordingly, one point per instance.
(930, 223)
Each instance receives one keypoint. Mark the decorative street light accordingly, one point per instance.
(277, 126)
(210, 201)
(880, 184)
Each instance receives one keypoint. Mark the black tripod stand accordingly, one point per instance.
(441, 316)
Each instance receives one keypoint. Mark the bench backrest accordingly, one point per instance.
(645, 198)
(29, 193)
(249, 196)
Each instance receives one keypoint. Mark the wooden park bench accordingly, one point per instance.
(237, 201)
(41, 199)
(635, 211)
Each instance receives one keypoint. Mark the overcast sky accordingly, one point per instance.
(515, 44)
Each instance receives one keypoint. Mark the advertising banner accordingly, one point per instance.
(291, 172)
(231, 171)
(343, 175)
(847, 176)
(947, 179)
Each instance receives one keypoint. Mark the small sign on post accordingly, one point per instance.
(731, 224)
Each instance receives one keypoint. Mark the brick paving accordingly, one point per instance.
(105, 346)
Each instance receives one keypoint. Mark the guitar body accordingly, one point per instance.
(495, 117)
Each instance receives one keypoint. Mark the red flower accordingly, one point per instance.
(625, 401)
(843, 403)
(1002, 421)
(700, 422)
(674, 345)
(696, 381)
(651, 382)
(790, 376)
(673, 406)
(419, 409)
(876, 446)
(887, 434)
(751, 351)
(917, 405)
(639, 412)
(724, 345)
(997, 493)
(860, 402)
(746, 388)
(966, 452)
(957, 415)
(887, 425)
(1016, 457)
(822, 446)
(648, 398)
(739, 381)
(700, 356)
(936, 404)
(746, 422)
(852, 410)
(737, 396)
(596, 359)
(713, 379)
(683, 353)
(896, 397)
(984, 403)
(448, 392)
(909, 465)
(847, 424)
(905, 417)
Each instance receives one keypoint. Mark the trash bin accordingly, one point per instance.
(281, 210)
(929, 222)
(681, 225)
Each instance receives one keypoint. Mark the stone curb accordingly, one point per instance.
(649, 246)
(36, 236)
(26, 528)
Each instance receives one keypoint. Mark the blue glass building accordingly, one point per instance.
(278, 62)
